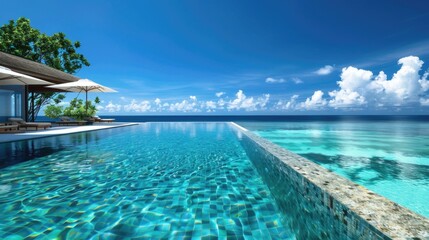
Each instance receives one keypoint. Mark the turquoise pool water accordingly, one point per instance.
(390, 158)
(152, 181)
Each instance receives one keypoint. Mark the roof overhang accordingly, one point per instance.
(37, 70)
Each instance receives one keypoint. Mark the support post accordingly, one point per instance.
(25, 103)
(33, 118)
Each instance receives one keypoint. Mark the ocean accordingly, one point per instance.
(260, 118)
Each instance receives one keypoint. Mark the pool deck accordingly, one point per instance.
(59, 130)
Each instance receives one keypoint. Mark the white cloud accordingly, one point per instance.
(424, 102)
(135, 106)
(345, 98)
(219, 94)
(111, 107)
(184, 106)
(353, 86)
(356, 88)
(210, 105)
(297, 80)
(328, 69)
(221, 103)
(274, 80)
(359, 87)
(315, 102)
(241, 102)
(404, 85)
(288, 105)
(424, 81)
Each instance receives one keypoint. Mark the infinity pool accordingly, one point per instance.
(154, 180)
(387, 157)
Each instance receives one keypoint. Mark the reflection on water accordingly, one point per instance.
(357, 168)
(21, 151)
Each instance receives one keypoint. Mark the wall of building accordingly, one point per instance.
(11, 102)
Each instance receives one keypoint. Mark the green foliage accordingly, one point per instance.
(53, 111)
(20, 39)
(76, 109)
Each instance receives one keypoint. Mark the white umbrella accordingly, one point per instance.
(85, 85)
(9, 77)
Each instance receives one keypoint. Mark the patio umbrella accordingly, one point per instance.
(9, 77)
(85, 85)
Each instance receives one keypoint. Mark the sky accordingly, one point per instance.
(245, 57)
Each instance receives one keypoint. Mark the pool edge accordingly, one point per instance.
(35, 135)
(378, 213)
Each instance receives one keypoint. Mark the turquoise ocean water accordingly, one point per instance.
(387, 156)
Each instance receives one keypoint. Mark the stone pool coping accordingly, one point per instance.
(59, 130)
(385, 216)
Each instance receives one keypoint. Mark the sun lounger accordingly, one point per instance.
(70, 121)
(23, 124)
(98, 119)
(8, 128)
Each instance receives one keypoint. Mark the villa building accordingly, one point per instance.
(14, 98)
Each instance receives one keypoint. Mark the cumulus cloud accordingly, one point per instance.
(210, 105)
(274, 80)
(111, 107)
(184, 106)
(297, 80)
(328, 69)
(353, 85)
(356, 89)
(219, 94)
(424, 102)
(359, 87)
(221, 103)
(424, 82)
(241, 102)
(135, 106)
(289, 104)
(314, 102)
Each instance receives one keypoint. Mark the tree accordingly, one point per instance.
(77, 109)
(20, 39)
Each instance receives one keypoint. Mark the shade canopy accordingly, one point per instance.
(9, 77)
(82, 85)
(85, 85)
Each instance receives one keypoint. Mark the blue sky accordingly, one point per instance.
(246, 57)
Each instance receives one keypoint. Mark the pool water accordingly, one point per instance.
(151, 181)
(390, 158)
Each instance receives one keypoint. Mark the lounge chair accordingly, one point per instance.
(8, 128)
(98, 119)
(70, 121)
(23, 124)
